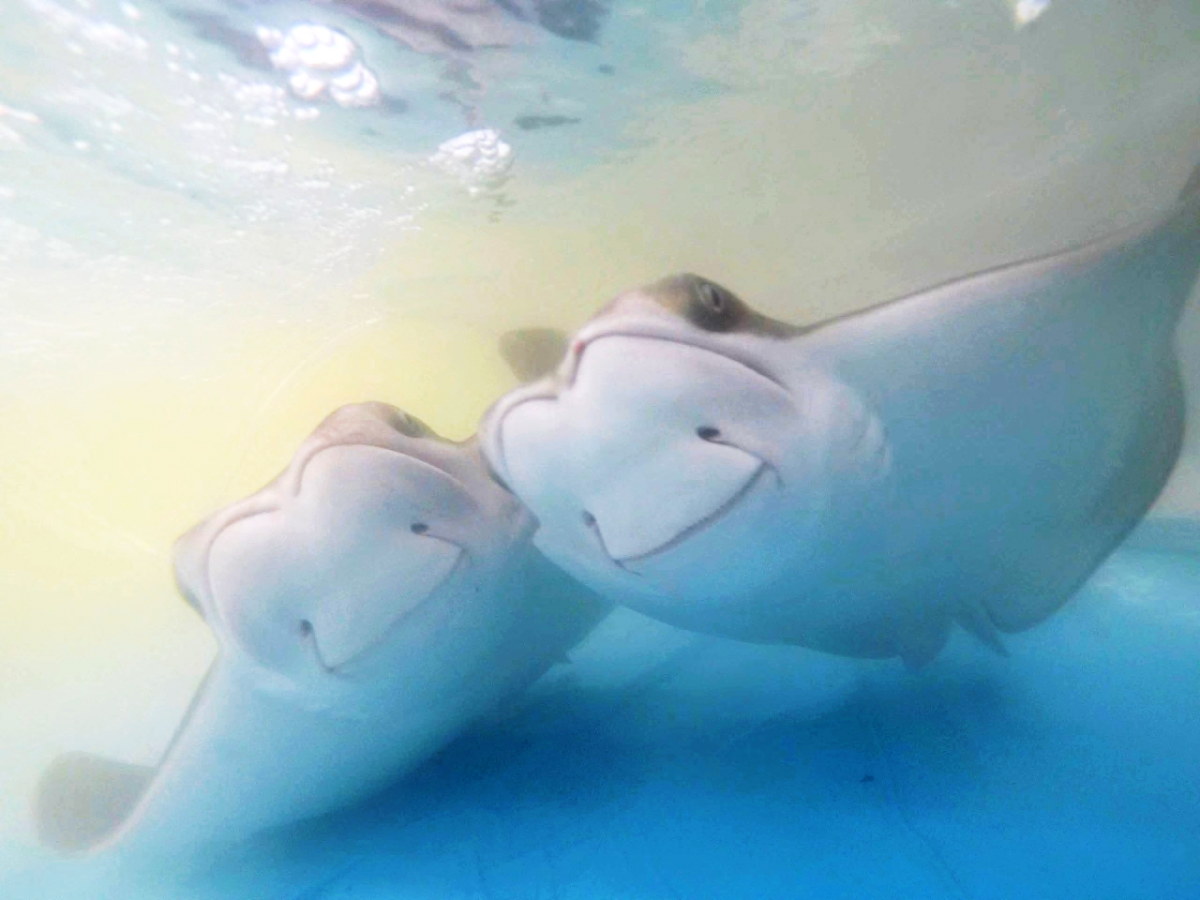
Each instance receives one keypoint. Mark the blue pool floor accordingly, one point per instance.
(660, 765)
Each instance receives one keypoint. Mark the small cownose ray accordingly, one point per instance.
(369, 604)
(968, 454)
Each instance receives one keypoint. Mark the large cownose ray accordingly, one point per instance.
(370, 603)
(966, 454)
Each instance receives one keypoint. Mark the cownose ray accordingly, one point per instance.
(369, 604)
(967, 454)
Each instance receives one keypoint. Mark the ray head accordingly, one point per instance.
(377, 522)
(369, 604)
(678, 455)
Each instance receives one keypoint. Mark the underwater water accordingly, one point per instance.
(206, 245)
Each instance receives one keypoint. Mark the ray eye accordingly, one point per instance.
(419, 528)
(306, 627)
(588, 519)
(712, 297)
(708, 433)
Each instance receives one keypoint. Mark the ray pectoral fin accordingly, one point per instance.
(1191, 188)
(919, 641)
(83, 799)
(1041, 584)
(975, 620)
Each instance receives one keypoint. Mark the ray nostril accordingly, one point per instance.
(419, 528)
(708, 433)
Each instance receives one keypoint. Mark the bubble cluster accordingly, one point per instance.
(320, 60)
(478, 159)
(1025, 12)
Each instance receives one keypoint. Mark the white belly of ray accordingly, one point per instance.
(331, 559)
(612, 494)
(754, 540)
(696, 484)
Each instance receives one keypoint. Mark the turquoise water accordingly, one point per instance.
(667, 765)
(197, 261)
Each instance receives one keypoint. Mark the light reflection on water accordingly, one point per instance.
(196, 263)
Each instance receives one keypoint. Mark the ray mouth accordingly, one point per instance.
(550, 388)
(345, 668)
(625, 563)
